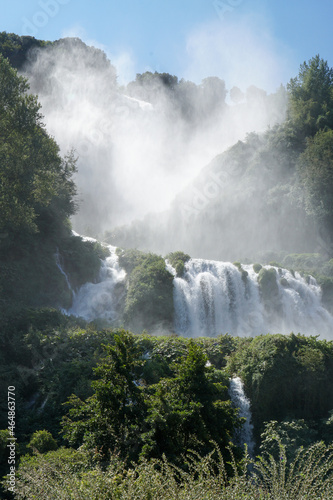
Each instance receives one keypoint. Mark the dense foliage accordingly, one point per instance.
(185, 410)
(134, 406)
(17, 48)
(154, 395)
(73, 475)
(287, 378)
(178, 261)
(37, 197)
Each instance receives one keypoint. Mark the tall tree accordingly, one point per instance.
(111, 419)
(35, 182)
(311, 97)
(315, 169)
(190, 410)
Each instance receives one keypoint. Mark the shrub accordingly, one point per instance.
(308, 477)
(178, 261)
(42, 442)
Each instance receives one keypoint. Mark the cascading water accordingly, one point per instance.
(244, 435)
(216, 297)
(213, 298)
(60, 267)
(102, 299)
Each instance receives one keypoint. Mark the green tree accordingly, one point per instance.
(292, 434)
(111, 418)
(285, 376)
(311, 98)
(315, 170)
(189, 410)
(185, 410)
(16, 47)
(36, 187)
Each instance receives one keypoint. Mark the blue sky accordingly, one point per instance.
(260, 42)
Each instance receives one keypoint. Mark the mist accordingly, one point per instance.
(139, 145)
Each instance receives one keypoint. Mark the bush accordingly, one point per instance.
(42, 442)
(178, 261)
(285, 377)
(82, 259)
(308, 477)
(130, 259)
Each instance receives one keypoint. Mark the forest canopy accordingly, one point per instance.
(36, 183)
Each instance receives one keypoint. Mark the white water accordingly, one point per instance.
(101, 300)
(244, 435)
(212, 298)
(59, 266)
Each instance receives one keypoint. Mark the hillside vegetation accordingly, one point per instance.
(105, 413)
(267, 196)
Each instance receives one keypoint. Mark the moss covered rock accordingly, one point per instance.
(149, 301)
(284, 282)
(269, 289)
(257, 267)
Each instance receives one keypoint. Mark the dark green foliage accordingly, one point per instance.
(257, 267)
(187, 408)
(149, 299)
(178, 261)
(16, 48)
(292, 434)
(110, 418)
(130, 259)
(48, 357)
(36, 186)
(311, 98)
(315, 169)
(82, 259)
(37, 196)
(42, 442)
(285, 376)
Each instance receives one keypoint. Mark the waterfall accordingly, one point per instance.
(103, 299)
(217, 297)
(244, 435)
(59, 266)
(213, 298)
